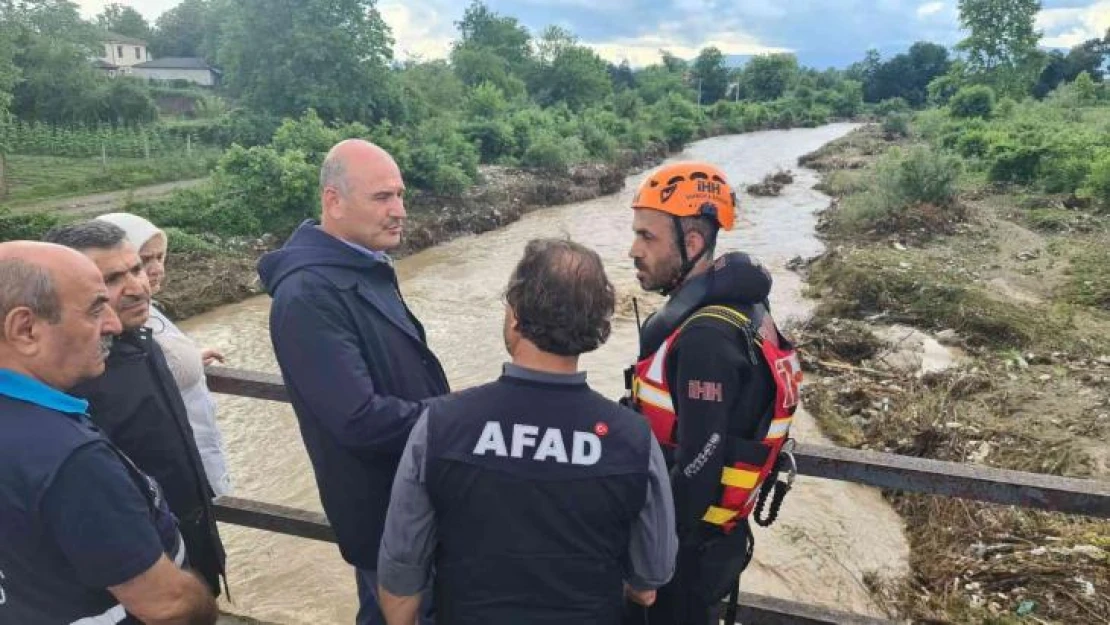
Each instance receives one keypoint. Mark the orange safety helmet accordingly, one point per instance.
(689, 189)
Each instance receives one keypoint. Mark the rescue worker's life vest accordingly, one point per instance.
(748, 463)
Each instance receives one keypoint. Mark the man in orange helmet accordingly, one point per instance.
(714, 378)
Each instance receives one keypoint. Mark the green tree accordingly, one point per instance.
(127, 102)
(768, 76)
(973, 101)
(656, 82)
(672, 63)
(1089, 57)
(500, 37)
(486, 101)
(709, 69)
(1001, 46)
(579, 77)
(1085, 88)
(9, 71)
(552, 42)
(181, 30)
(286, 56)
(907, 75)
(622, 76)
(475, 66)
(865, 69)
(568, 72)
(52, 45)
(123, 20)
(431, 87)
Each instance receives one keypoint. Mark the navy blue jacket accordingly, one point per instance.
(356, 364)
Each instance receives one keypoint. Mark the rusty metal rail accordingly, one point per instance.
(891, 471)
(313, 525)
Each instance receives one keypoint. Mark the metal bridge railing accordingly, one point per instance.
(891, 471)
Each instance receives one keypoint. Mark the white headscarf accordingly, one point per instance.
(138, 229)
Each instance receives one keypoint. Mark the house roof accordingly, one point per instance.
(176, 62)
(110, 37)
(102, 64)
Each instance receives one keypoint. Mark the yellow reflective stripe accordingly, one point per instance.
(739, 478)
(723, 313)
(779, 428)
(656, 397)
(738, 317)
(719, 516)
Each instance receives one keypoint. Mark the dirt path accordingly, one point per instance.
(106, 202)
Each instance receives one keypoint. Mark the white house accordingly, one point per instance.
(121, 53)
(193, 69)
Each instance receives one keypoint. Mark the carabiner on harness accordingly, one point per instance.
(776, 488)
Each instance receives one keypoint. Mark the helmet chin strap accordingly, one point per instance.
(687, 263)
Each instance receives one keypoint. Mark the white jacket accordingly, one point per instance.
(184, 359)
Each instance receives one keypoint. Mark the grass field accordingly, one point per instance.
(30, 178)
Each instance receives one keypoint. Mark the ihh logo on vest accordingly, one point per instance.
(585, 448)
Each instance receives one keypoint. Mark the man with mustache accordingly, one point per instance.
(354, 358)
(136, 401)
(85, 537)
(715, 379)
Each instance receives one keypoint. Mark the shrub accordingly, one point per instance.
(597, 141)
(909, 190)
(553, 153)
(891, 105)
(25, 226)
(260, 188)
(895, 126)
(973, 144)
(1006, 107)
(494, 138)
(1014, 162)
(973, 101)
(313, 137)
(182, 241)
(1097, 184)
(928, 176)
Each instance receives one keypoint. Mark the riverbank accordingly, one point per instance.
(1011, 285)
(204, 277)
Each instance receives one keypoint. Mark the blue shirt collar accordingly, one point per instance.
(30, 390)
(378, 256)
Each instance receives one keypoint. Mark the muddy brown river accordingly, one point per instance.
(829, 534)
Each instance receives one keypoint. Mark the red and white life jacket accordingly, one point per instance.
(748, 463)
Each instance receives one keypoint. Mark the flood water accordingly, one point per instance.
(829, 533)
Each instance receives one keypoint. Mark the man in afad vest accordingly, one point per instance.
(714, 378)
(536, 499)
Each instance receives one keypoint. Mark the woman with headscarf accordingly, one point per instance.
(186, 360)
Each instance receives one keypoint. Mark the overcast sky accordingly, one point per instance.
(821, 32)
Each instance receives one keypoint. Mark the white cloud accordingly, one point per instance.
(418, 30)
(608, 6)
(150, 9)
(1064, 28)
(644, 50)
(930, 8)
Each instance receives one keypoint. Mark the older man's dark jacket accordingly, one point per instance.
(357, 365)
(137, 405)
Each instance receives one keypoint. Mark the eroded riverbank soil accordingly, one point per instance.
(1010, 285)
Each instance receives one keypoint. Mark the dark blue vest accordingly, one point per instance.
(38, 585)
(535, 488)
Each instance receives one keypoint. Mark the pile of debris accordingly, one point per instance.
(772, 184)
